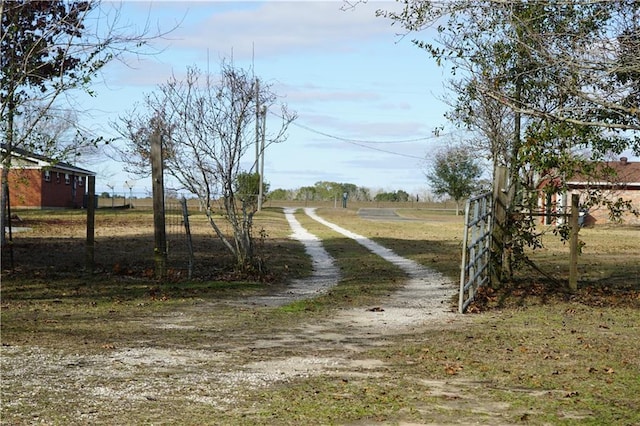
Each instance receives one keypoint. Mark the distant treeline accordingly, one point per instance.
(320, 191)
(329, 191)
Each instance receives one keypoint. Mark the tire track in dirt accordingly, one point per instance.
(425, 296)
(325, 273)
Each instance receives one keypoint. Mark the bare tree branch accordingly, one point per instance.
(208, 128)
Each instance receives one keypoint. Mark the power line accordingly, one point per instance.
(384, 150)
(365, 143)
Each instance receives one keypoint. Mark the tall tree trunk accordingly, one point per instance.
(512, 190)
(514, 160)
(6, 167)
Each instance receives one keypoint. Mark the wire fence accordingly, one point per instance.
(180, 254)
(193, 249)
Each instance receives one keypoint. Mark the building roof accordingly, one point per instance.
(41, 161)
(622, 173)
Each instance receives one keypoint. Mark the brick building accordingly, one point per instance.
(38, 182)
(623, 182)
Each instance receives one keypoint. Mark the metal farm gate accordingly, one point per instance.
(476, 248)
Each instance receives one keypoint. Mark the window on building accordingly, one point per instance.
(67, 178)
(81, 180)
(47, 176)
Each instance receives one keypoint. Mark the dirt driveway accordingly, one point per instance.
(103, 385)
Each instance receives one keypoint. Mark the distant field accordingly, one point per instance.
(146, 203)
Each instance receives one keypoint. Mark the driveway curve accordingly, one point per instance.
(425, 295)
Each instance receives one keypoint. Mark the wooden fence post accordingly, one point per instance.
(499, 227)
(159, 228)
(91, 225)
(573, 243)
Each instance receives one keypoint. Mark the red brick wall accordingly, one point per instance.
(25, 188)
(29, 188)
(58, 191)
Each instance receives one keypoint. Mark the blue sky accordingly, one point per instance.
(367, 99)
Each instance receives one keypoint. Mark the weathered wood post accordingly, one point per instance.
(159, 229)
(89, 260)
(573, 243)
(498, 235)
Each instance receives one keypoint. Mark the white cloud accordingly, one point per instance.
(297, 95)
(274, 28)
(366, 127)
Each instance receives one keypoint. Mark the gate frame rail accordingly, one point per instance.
(476, 248)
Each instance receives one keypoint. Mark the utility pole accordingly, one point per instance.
(111, 186)
(129, 185)
(260, 190)
(257, 125)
